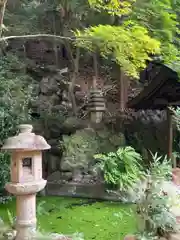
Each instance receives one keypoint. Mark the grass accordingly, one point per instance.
(96, 220)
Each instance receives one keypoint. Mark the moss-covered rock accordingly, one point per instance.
(79, 148)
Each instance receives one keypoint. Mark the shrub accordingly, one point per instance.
(120, 169)
(79, 149)
(155, 206)
(15, 93)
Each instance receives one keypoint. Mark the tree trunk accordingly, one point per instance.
(2, 12)
(73, 81)
(3, 8)
(123, 91)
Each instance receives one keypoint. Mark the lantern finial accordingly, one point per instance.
(25, 128)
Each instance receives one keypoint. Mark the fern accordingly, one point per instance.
(122, 168)
(160, 167)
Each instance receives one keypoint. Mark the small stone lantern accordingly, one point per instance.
(26, 177)
(96, 105)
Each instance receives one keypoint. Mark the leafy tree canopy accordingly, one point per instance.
(160, 17)
(130, 46)
(128, 31)
(113, 7)
(148, 28)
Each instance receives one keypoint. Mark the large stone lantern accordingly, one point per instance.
(26, 177)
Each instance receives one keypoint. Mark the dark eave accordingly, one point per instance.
(162, 91)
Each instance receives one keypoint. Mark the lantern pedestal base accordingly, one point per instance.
(26, 216)
(25, 233)
(25, 207)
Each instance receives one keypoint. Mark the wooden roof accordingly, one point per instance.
(163, 90)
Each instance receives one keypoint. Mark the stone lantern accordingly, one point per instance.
(26, 177)
(96, 105)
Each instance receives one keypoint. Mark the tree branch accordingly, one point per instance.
(3, 8)
(37, 36)
(44, 35)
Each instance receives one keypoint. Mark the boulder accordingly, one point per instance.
(60, 177)
(66, 176)
(52, 163)
(48, 85)
(79, 150)
(88, 178)
(55, 147)
(55, 176)
(77, 176)
(72, 124)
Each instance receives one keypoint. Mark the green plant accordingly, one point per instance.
(10, 218)
(147, 28)
(130, 51)
(161, 20)
(176, 116)
(122, 168)
(7, 231)
(113, 7)
(4, 174)
(160, 167)
(146, 236)
(15, 95)
(154, 208)
(79, 149)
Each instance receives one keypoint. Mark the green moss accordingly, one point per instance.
(99, 221)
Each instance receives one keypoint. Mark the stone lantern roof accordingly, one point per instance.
(26, 140)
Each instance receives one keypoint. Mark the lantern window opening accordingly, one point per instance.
(27, 164)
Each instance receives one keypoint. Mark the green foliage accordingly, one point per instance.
(129, 45)
(146, 236)
(79, 148)
(148, 28)
(4, 174)
(113, 7)
(151, 28)
(160, 167)
(15, 93)
(161, 19)
(10, 218)
(140, 29)
(158, 16)
(176, 122)
(52, 16)
(122, 168)
(176, 117)
(154, 207)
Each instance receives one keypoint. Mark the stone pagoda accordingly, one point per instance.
(96, 104)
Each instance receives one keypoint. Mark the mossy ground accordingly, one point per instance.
(96, 220)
